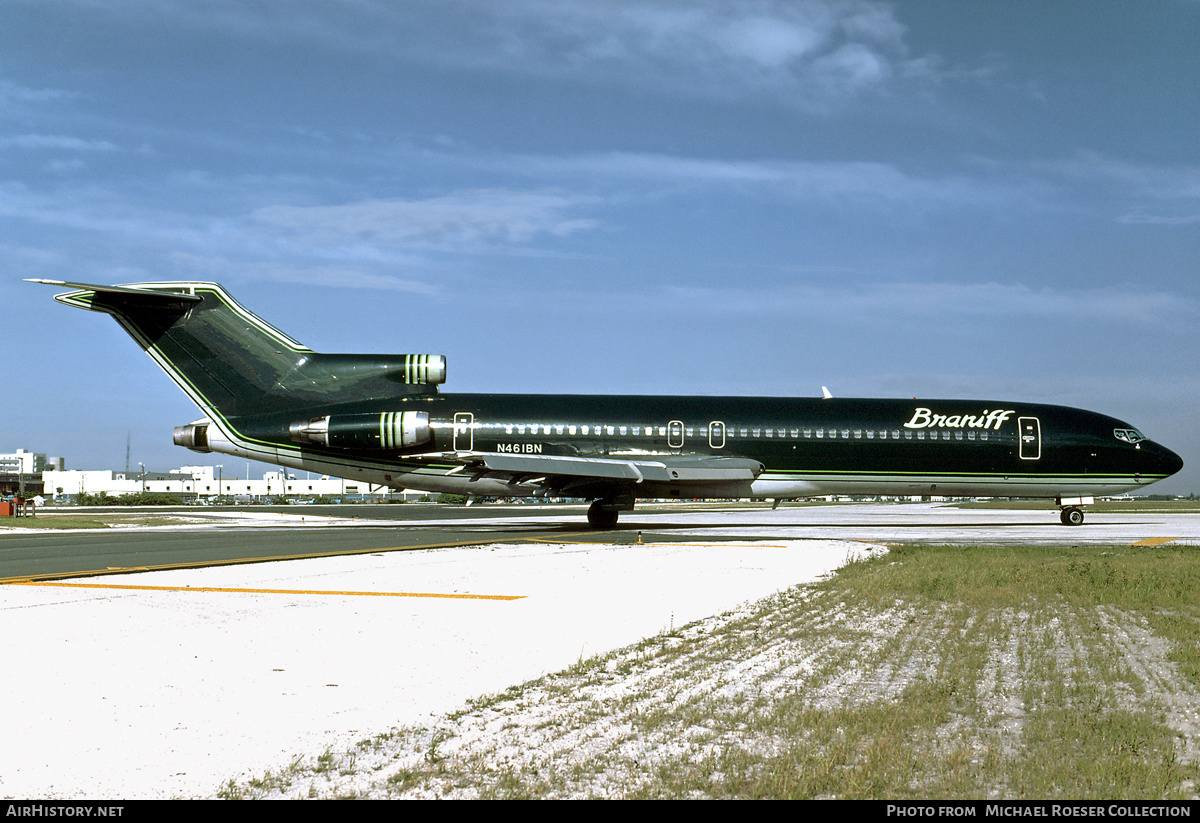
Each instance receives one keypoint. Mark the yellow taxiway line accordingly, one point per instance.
(263, 591)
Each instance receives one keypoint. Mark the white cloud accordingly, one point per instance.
(55, 142)
(467, 218)
(1142, 218)
(859, 182)
(890, 303)
(344, 276)
(13, 95)
(805, 52)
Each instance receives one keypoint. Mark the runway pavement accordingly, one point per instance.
(207, 537)
(169, 682)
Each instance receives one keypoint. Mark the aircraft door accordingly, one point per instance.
(464, 431)
(1029, 430)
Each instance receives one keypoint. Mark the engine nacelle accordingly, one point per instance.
(429, 369)
(193, 436)
(390, 430)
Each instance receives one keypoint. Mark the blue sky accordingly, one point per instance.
(937, 199)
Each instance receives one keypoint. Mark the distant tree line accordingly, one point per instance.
(134, 499)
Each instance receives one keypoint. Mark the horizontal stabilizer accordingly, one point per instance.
(174, 296)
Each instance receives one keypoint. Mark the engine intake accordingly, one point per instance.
(389, 430)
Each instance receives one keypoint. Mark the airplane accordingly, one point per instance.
(380, 418)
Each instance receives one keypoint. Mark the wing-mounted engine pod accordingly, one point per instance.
(390, 430)
(193, 436)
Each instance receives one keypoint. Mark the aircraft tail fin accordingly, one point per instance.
(232, 363)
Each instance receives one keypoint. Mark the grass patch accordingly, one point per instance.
(52, 522)
(928, 672)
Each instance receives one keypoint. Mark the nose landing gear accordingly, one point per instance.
(1071, 516)
(1072, 513)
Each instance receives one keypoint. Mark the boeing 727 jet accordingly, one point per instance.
(381, 419)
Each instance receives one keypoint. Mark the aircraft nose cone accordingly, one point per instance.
(1165, 461)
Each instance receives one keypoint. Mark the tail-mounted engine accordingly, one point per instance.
(390, 430)
(193, 436)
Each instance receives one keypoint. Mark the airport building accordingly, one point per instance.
(27, 462)
(21, 473)
(208, 483)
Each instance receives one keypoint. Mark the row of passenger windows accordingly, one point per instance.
(745, 432)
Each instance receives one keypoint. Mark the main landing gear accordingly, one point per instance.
(602, 514)
(1072, 513)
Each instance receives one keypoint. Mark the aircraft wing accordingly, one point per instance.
(668, 469)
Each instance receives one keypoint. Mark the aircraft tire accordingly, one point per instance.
(1072, 516)
(600, 516)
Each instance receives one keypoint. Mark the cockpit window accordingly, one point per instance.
(1129, 435)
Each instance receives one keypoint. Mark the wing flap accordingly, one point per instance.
(665, 470)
